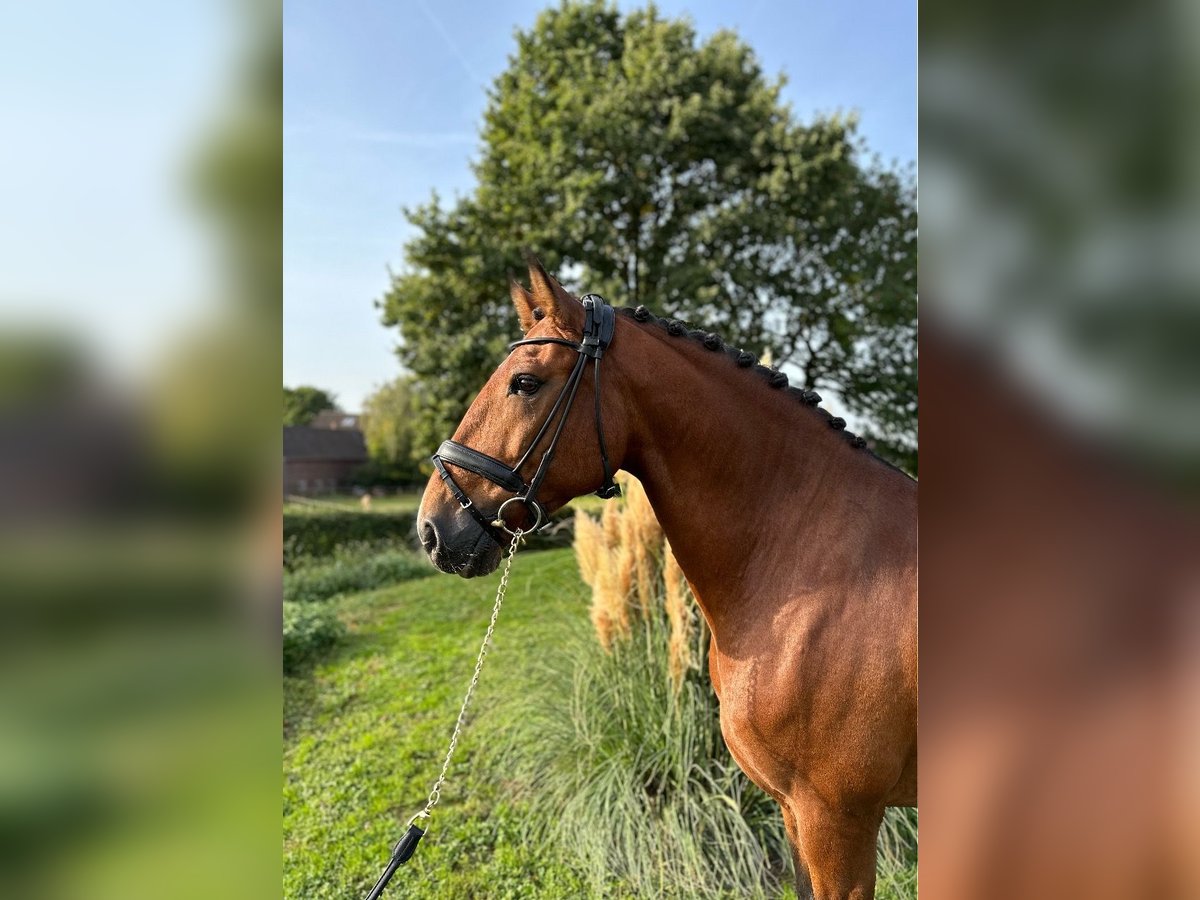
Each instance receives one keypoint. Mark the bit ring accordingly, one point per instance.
(529, 504)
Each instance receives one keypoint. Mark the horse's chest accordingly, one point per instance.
(758, 723)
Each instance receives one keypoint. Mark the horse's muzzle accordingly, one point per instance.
(459, 546)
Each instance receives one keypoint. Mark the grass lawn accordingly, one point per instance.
(366, 730)
(364, 736)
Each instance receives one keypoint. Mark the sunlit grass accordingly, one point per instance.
(365, 731)
(364, 735)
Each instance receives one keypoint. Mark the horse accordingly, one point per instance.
(799, 545)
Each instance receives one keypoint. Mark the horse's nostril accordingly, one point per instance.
(428, 536)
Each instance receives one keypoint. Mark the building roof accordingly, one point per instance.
(335, 419)
(304, 442)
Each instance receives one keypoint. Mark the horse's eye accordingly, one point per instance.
(525, 385)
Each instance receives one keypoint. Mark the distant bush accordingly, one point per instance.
(310, 536)
(355, 567)
(310, 625)
(309, 630)
(313, 535)
(378, 473)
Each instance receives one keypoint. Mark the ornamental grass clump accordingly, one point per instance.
(682, 654)
(620, 751)
(626, 561)
(623, 749)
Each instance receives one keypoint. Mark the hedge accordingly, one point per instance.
(364, 569)
(319, 534)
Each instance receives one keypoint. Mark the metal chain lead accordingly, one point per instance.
(436, 794)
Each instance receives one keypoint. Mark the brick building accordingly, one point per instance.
(320, 460)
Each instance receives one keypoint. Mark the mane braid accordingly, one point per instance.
(744, 359)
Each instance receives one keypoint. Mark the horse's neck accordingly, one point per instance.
(746, 481)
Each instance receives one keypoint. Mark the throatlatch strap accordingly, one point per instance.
(610, 488)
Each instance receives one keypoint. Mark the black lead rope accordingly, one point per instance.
(405, 848)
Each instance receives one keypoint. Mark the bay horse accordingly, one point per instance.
(799, 545)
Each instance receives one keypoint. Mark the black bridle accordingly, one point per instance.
(598, 327)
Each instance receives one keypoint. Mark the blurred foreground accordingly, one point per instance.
(139, 366)
(1060, 424)
(139, 567)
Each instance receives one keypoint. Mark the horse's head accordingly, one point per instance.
(514, 420)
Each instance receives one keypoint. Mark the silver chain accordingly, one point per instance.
(436, 794)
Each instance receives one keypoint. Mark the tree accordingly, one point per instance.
(654, 169)
(301, 404)
(387, 429)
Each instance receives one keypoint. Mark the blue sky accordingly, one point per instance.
(105, 109)
(382, 103)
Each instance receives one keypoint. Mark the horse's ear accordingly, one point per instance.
(527, 311)
(551, 298)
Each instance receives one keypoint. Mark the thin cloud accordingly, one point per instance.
(450, 42)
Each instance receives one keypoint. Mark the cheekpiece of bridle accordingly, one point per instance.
(598, 327)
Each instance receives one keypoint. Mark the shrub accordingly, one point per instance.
(310, 626)
(357, 567)
(313, 535)
(309, 631)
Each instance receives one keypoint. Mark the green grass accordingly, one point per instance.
(311, 627)
(364, 736)
(896, 872)
(365, 731)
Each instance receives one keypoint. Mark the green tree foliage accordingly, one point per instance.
(212, 398)
(388, 431)
(655, 168)
(301, 404)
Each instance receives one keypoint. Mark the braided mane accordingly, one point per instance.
(745, 360)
